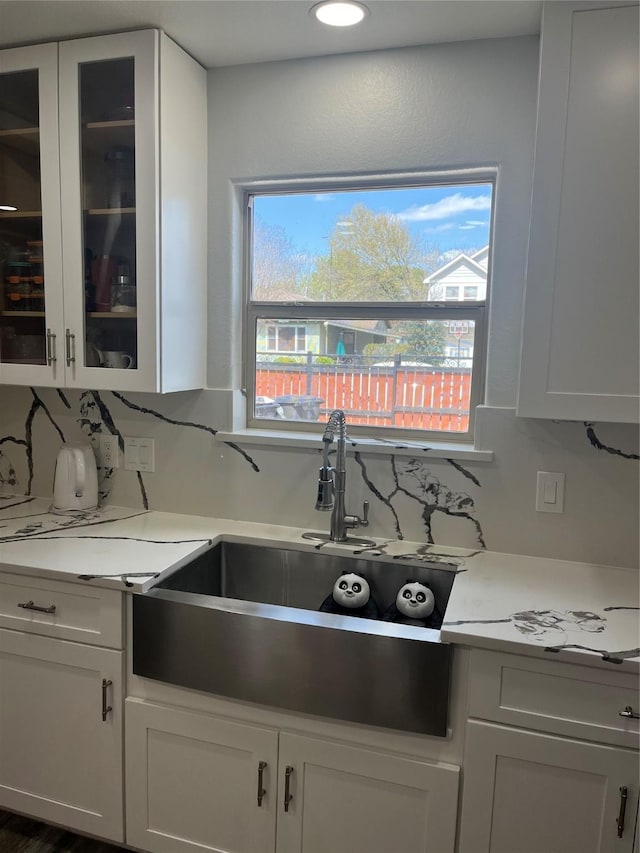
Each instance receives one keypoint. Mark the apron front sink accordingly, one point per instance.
(242, 621)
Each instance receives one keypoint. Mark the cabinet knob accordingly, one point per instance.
(71, 347)
(29, 605)
(51, 347)
(623, 808)
(105, 708)
(288, 797)
(261, 790)
(629, 713)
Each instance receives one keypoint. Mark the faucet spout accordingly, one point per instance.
(332, 486)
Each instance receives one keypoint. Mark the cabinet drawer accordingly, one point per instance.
(81, 613)
(555, 697)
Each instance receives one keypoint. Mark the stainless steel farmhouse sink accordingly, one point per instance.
(242, 620)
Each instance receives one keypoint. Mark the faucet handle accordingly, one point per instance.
(365, 514)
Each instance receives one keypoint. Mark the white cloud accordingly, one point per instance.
(447, 207)
(475, 222)
(324, 197)
(466, 227)
(447, 226)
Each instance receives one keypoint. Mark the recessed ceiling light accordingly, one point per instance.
(340, 13)
(8, 207)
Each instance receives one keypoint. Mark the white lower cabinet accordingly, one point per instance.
(193, 783)
(61, 732)
(529, 792)
(570, 785)
(353, 800)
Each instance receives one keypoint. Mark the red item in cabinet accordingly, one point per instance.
(103, 271)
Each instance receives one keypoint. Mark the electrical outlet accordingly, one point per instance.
(109, 453)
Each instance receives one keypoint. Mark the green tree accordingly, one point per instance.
(419, 340)
(372, 257)
(278, 269)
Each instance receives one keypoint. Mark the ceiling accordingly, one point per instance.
(234, 32)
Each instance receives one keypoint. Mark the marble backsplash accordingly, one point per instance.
(450, 502)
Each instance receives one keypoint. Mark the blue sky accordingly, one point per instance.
(451, 217)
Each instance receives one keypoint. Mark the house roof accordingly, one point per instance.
(458, 261)
(378, 327)
(481, 254)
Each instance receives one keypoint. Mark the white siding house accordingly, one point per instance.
(463, 279)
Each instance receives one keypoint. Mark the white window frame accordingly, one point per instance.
(294, 351)
(475, 311)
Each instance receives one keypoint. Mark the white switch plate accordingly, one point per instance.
(550, 492)
(139, 454)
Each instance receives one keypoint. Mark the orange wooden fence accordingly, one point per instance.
(416, 397)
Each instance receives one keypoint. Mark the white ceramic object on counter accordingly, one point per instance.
(75, 482)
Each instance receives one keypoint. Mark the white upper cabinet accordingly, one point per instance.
(580, 352)
(124, 199)
(31, 316)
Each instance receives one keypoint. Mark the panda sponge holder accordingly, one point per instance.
(414, 602)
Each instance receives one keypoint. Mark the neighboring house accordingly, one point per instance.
(463, 279)
(331, 337)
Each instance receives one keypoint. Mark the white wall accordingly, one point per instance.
(449, 106)
(427, 108)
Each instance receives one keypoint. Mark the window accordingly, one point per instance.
(342, 311)
(272, 337)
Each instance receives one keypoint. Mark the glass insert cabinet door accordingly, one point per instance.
(30, 257)
(84, 149)
(107, 143)
(108, 110)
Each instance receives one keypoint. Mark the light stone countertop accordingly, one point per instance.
(573, 611)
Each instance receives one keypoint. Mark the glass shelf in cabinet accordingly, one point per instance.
(109, 211)
(112, 315)
(25, 139)
(20, 214)
(100, 136)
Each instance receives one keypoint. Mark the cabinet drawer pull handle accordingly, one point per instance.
(623, 808)
(51, 347)
(629, 712)
(288, 797)
(71, 348)
(29, 605)
(105, 708)
(261, 790)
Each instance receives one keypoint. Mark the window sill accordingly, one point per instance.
(303, 440)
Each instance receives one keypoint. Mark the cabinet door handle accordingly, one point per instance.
(51, 347)
(623, 808)
(629, 713)
(29, 605)
(261, 790)
(105, 708)
(71, 348)
(288, 797)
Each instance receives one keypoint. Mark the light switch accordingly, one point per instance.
(139, 454)
(550, 492)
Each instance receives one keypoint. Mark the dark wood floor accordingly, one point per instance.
(22, 835)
